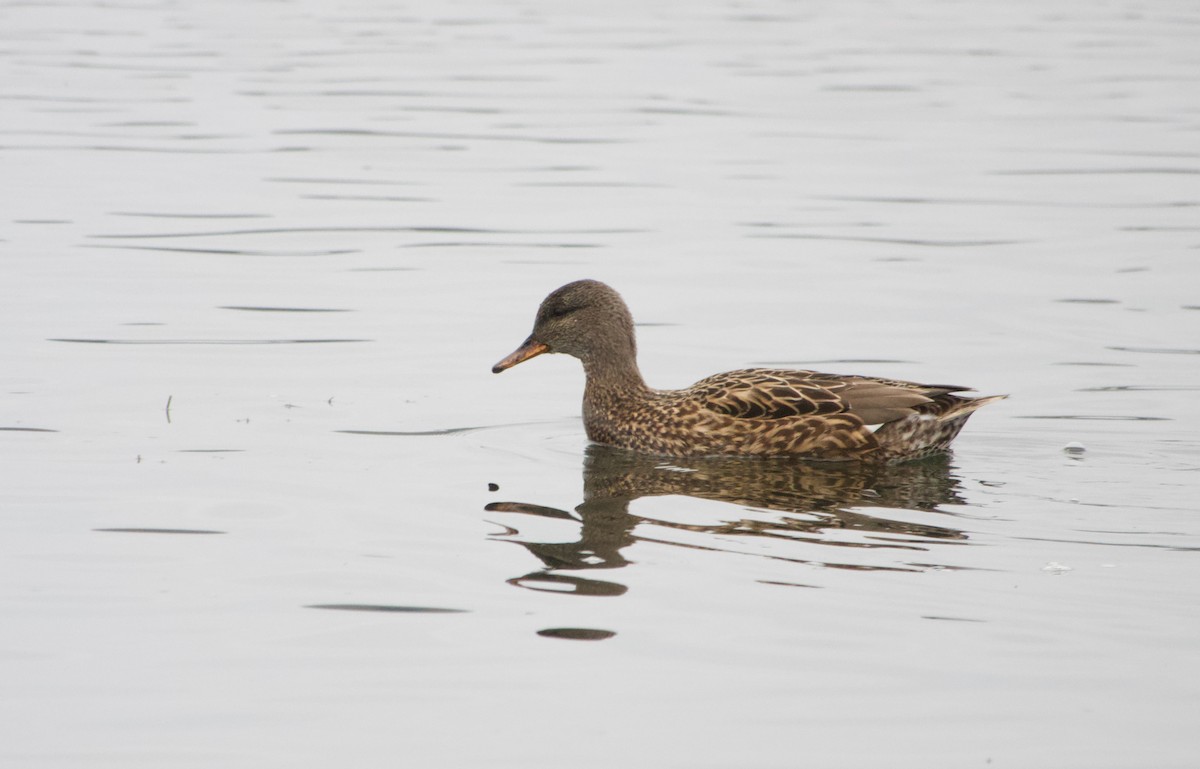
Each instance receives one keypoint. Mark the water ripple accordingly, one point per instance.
(1096, 171)
(386, 608)
(893, 241)
(149, 530)
(361, 229)
(1160, 350)
(208, 341)
(446, 135)
(576, 633)
(230, 251)
(246, 308)
(1095, 417)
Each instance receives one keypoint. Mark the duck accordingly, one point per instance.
(763, 412)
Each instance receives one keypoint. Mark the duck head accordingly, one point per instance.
(586, 319)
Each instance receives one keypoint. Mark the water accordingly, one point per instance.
(265, 505)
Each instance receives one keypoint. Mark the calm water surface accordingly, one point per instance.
(265, 505)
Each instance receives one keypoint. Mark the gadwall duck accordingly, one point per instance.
(755, 412)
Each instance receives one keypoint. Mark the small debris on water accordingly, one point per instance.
(1054, 567)
(1074, 448)
(493, 487)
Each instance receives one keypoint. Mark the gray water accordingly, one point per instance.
(265, 505)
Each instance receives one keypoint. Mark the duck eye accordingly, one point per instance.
(561, 311)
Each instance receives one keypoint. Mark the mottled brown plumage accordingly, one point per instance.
(763, 412)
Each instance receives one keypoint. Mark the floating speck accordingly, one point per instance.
(1054, 567)
(1074, 447)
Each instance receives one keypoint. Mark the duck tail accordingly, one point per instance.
(931, 429)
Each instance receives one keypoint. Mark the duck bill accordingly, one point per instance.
(530, 348)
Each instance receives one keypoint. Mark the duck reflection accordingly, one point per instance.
(823, 504)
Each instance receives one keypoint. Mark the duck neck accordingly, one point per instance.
(615, 369)
(625, 378)
(614, 393)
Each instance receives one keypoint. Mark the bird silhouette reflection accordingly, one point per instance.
(839, 505)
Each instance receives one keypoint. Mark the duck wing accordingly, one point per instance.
(782, 393)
